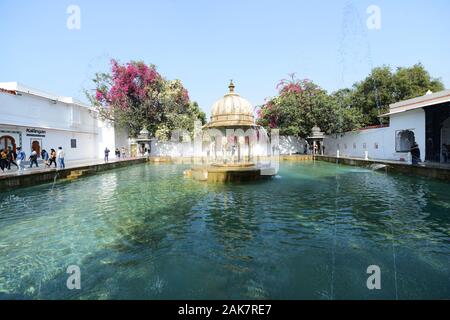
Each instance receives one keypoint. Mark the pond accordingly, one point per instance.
(147, 232)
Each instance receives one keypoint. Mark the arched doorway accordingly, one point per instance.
(36, 146)
(405, 139)
(8, 141)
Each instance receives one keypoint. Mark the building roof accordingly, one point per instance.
(232, 110)
(429, 99)
(17, 88)
(316, 133)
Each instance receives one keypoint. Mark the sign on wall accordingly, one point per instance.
(31, 132)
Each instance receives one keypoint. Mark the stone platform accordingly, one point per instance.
(74, 170)
(428, 170)
(219, 173)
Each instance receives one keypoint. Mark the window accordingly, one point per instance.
(365, 146)
(354, 145)
(73, 143)
(375, 145)
(404, 140)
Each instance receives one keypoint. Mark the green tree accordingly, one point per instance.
(345, 116)
(382, 87)
(415, 81)
(300, 105)
(374, 94)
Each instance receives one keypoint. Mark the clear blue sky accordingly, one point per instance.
(205, 43)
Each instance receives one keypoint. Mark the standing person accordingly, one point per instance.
(11, 158)
(60, 155)
(52, 158)
(3, 159)
(21, 156)
(123, 152)
(45, 157)
(117, 153)
(415, 153)
(445, 152)
(33, 159)
(107, 151)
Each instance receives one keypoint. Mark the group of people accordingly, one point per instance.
(17, 158)
(7, 158)
(119, 153)
(55, 158)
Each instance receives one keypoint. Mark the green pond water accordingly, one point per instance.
(146, 232)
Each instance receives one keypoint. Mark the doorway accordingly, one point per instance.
(8, 141)
(36, 146)
(437, 132)
(445, 141)
(404, 140)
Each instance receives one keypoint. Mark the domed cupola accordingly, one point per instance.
(232, 111)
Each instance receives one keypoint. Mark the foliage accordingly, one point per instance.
(301, 104)
(134, 95)
(382, 87)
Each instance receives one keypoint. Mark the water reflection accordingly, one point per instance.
(147, 232)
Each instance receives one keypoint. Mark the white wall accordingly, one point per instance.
(33, 111)
(58, 123)
(354, 144)
(291, 145)
(85, 143)
(105, 138)
(121, 138)
(171, 149)
(413, 120)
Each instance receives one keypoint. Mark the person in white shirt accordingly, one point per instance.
(60, 155)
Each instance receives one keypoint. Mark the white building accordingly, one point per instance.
(424, 120)
(37, 120)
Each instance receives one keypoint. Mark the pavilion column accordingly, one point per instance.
(239, 151)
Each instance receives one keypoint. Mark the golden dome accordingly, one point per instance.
(232, 111)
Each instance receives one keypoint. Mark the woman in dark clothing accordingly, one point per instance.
(415, 153)
(3, 159)
(52, 158)
(11, 158)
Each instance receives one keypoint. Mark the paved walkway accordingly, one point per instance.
(69, 165)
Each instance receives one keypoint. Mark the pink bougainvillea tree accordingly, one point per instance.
(134, 95)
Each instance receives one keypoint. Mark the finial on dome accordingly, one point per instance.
(231, 86)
